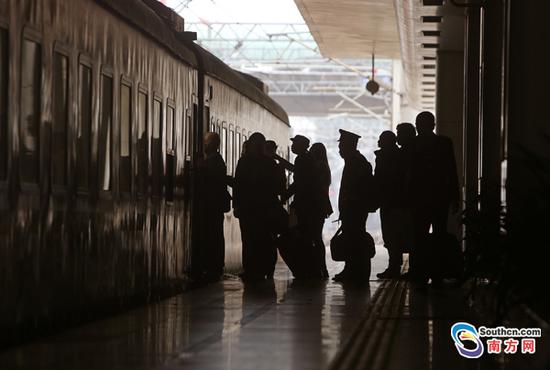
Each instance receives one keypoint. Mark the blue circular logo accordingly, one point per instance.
(462, 333)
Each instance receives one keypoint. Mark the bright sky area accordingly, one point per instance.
(238, 11)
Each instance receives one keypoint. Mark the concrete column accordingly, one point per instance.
(471, 108)
(397, 87)
(491, 125)
(449, 108)
(528, 142)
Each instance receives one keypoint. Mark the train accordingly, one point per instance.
(103, 106)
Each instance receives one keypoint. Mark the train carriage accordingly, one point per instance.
(102, 107)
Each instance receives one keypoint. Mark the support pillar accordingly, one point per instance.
(491, 125)
(471, 144)
(449, 109)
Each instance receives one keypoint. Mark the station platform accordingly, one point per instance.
(278, 324)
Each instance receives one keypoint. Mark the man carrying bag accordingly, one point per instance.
(354, 203)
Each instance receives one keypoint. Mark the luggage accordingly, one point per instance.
(342, 246)
(298, 253)
(445, 255)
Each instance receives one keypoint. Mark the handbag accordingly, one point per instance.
(338, 246)
(342, 245)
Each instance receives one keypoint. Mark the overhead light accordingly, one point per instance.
(372, 86)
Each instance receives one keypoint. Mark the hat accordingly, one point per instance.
(348, 136)
(300, 139)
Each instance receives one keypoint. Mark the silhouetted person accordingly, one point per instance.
(243, 150)
(322, 168)
(406, 137)
(389, 176)
(255, 192)
(270, 151)
(357, 182)
(434, 183)
(308, 210)
(214, 202)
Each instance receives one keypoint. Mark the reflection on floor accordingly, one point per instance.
(279, 324)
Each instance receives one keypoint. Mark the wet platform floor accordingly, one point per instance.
(279, 324)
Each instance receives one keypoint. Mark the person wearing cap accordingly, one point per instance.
(353, 205)
(304, 188)
(434, 183)
(255, 191)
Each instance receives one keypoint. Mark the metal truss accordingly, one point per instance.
(287, 59)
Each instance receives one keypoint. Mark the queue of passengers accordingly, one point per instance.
(414, 184)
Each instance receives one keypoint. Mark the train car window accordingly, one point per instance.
(60, 118)
(31, 62)
(230, 153)
(156, 148)
(187, 132)
(3, 104)
(143, 143)
(84, 127)
(238, 145)
(171, 145)
(223, 148)
(192, 128)
(105, 128)
(212, 124)
(125, 165)
(170, 129)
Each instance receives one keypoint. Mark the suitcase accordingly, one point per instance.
(445, 255)
(298, 253)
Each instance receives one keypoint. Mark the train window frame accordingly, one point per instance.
(231, 150)
(126, 82)
(6, 146)
(238, 145)
(188, 122)
(64, 50)
(85, 61)
(143, 179)
(32, 35)
(170, 153)
(106, 71)
(157, 174)
(212, 124)
(171, 104)
(223, 142)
